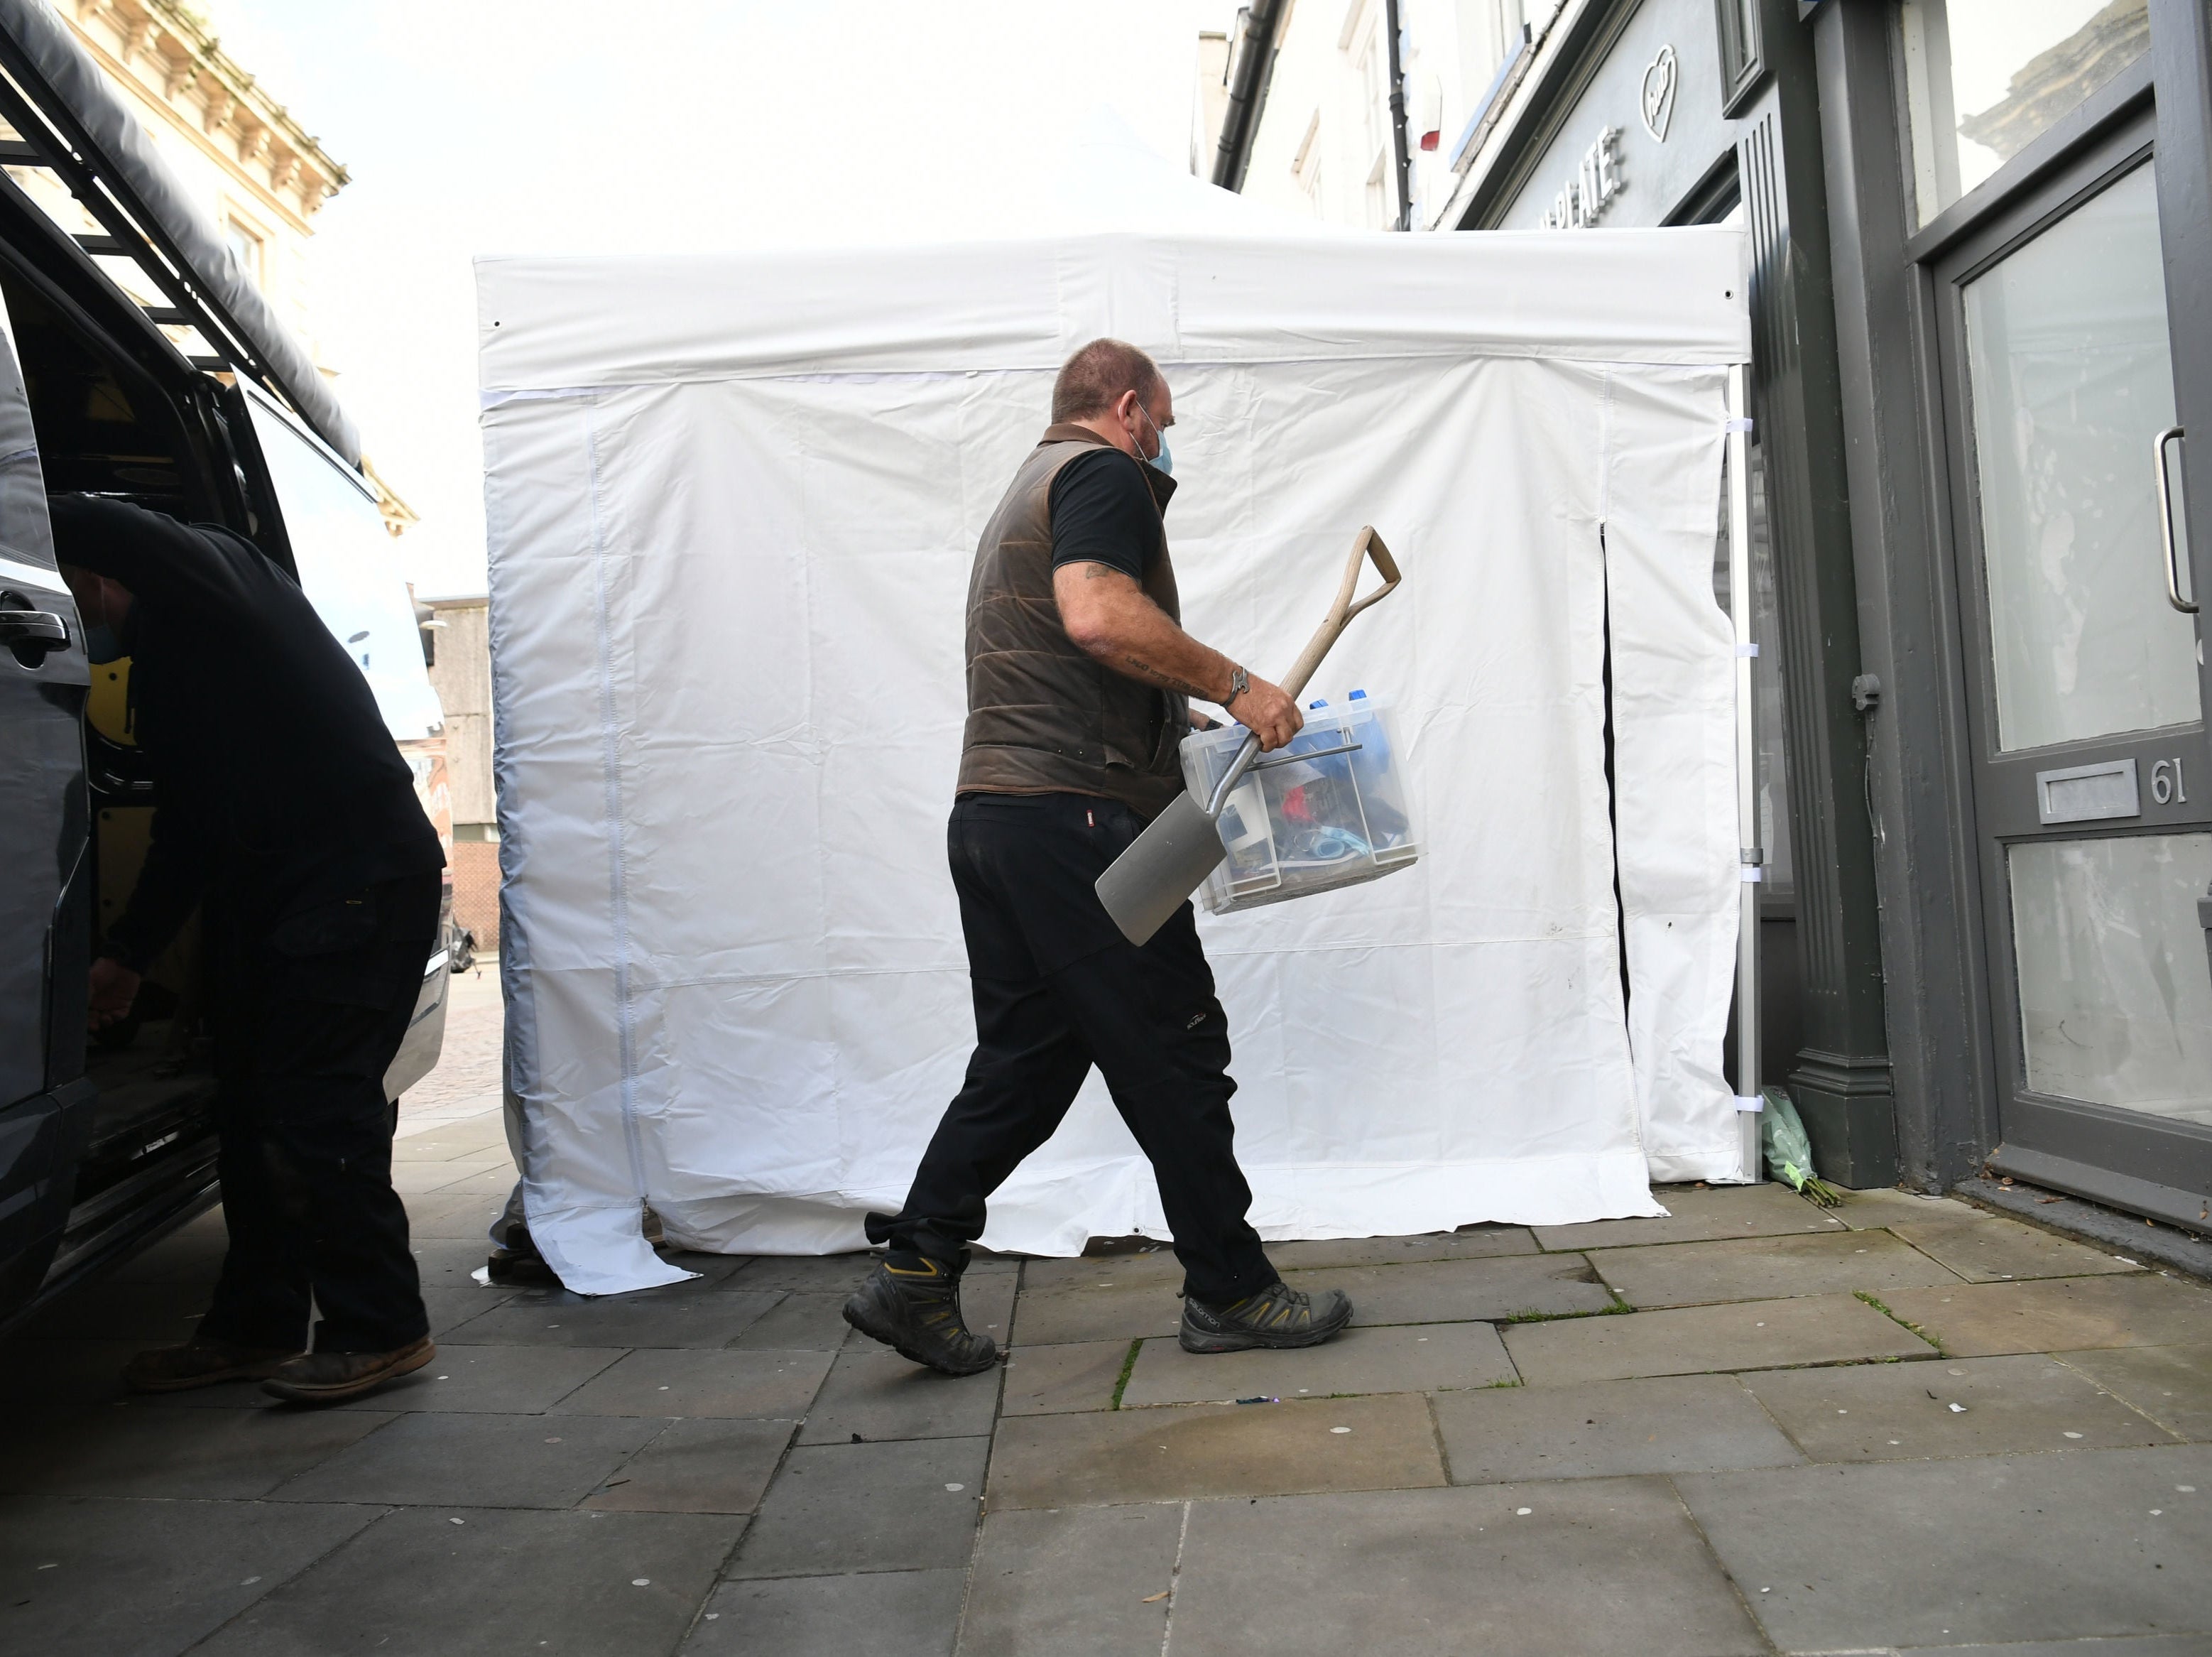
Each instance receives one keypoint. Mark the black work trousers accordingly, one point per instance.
(312, 1006)
(1057, 990)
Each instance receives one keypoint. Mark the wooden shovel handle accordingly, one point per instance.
(1369, 546)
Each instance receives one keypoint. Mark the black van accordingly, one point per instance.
(193, 399)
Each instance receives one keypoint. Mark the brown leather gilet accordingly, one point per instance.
(1043, 717)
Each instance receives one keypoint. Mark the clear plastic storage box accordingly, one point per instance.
(1328, 811)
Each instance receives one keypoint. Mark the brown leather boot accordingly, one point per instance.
(334, 1377)
(202, 1362)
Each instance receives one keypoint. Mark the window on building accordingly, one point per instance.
(1371, 60)
(246, 246)
(1306, 167)
(1982, 78)
(1742, 59)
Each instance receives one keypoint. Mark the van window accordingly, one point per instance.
(348, 571)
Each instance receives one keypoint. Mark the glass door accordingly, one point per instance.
(2092, 789)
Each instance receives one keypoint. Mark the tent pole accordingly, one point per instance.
(1753, 856)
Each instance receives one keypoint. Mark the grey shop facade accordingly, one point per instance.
(1981, 288)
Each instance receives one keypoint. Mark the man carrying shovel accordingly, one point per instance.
(1078, 676)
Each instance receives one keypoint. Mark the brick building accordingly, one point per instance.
(460, 672)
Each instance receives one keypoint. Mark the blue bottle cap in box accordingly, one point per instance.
(1358, 696)
(1318, 702)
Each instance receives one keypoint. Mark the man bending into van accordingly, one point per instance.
(287, 815)
(1078, 674)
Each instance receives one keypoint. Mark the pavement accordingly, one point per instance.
(1908, 1425)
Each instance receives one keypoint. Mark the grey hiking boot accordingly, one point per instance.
(917, 1314)
(1276, 1316)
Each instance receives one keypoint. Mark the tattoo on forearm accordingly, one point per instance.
(1142, 669)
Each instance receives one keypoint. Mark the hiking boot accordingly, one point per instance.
(1276, 1316)
(917, 1314)
(334, 1377)
(203, 1363)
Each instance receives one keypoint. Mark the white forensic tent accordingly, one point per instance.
(732, 502)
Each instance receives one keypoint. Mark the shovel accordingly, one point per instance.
(1172, 857)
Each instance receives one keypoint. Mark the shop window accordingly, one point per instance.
(1984, 78)
(1743, 63)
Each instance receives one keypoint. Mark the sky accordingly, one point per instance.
(544, 126)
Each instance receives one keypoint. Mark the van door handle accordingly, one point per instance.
(2166, 521)
(32, 631)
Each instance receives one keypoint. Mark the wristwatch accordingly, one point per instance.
(1239, 682)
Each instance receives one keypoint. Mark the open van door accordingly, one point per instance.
(333, 533)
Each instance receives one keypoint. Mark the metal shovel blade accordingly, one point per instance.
(1163, 866)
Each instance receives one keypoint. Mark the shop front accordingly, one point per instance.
(1981, 284)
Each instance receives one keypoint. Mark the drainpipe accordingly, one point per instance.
(1398, 117)
(1247, 91)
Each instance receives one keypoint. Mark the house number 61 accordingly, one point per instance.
(2165, 783)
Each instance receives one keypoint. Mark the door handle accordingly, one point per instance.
(32, 633)
(2166, 521)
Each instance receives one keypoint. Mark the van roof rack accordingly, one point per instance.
(66, 120)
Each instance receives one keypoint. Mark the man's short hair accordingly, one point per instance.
(1092, 380)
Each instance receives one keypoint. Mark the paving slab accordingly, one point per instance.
(1173, 1453)
(876, 1614)
(511, 1381)
(1078, 1582)
(1052, 1316)
(1456, 1291)
(1870, 1211)
(987, 1302)
(453, 1263)
(697, 1467)
(1483, 1243)
(448, 1309)
(1904, 1412)
(1986, 1248)
(1156, 1267)
(875, 1393)
(444, 1144)
(1051, 1380)
(492, 1184)
(681, 1315)
(1709, 1339)
(2172, 1384)
(1607, 1429)
(505, 1461)
(804, 1274)
(455, 1218)
(1407, 1358)
(119, 1451)
(113, 1578)
(1533, 1570)
(1765, 1268)
(905, 1505)
(2060, 1314)
(760, 1386)
(411, 1178)
(2020, 1548)
(1699, 1215)
(799, 1323)
(712, 1268)
(500, 1582)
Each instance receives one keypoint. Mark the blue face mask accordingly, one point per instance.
(1164, 461)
